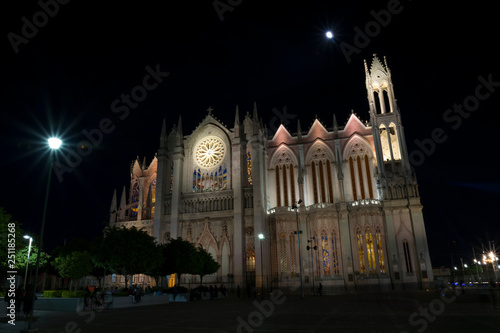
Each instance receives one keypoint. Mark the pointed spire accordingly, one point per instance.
(123, 200)
(112, 209)
(299, 131)
(335, 126)
(255, 116)
(237, 117)
(179, 126)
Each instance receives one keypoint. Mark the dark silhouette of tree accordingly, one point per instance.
(126, 251)
(181, 257)
(204, 264)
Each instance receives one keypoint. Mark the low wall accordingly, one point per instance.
(59, 304)
(126, 301)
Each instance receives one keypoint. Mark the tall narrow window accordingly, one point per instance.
(368, 177)
(292, 183)
(394, 142)
(153, 197)
(315, 184)
(171, 176)
(250, 262)
(134, 199)
(335, 256)
(293, 267)
(278, 193)
(282, 252)
(326, 254)
(360, 177)
(285, 186)
(330, 186)
(353, 179)
(380, 250)
(322, 181)
(370, 251)
(361, 252)
(406, 249)
(249, 168)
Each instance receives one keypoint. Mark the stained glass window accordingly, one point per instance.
(370, 251)
(210, 152)
(326, 254)
(171, 176)
(380, 250)
(361, 252)
(283, 252)
(153, 196)
(250, 262)
(249, 168)
(335, 256)
(135, 198)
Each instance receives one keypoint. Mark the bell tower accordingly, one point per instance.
(387, 128)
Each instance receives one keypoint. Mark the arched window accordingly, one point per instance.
(282, 253)
(369, 249)
(369, 177)
(353, 179)
(171, 176)
(249, 168)
(153, 197)
(335, 255)
(292, 183)
(250, 261)
(406, 250)
(285, 186)
(380, 250)
(360, 177)
(278, 188)
(326, 253)
(361, 252)
(330, 185)
(134, 199)
(315, 183)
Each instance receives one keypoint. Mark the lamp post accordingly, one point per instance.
(261, 237)
(296, 207)
(312, 247)
(28, 260)
(54, 144)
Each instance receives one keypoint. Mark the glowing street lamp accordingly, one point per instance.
(28, 260)
(261, 237)
(329, 34)
(54, 144)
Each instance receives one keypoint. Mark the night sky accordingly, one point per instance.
(68, 76)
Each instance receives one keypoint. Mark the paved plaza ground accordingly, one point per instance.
(358, 312)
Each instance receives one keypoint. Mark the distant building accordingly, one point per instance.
(220, 187)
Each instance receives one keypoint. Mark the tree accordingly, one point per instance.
(181, 257)
(126, 251)
(22, 257)
(205, 264)
(75, 265)
(160, 267)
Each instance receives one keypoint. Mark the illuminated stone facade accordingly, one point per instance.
(360, 214)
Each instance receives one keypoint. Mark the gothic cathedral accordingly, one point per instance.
(336, 205)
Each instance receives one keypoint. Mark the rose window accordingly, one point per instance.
(210, 152)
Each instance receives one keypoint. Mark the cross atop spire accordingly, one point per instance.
(210, 110)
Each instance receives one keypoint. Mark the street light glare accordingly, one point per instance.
(329, 34)
(55, 143)
(261, 236)
(26, 237)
